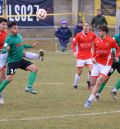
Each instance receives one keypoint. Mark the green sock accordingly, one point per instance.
(117, 86)
(31, 79)
(3, 85)
(101, 88)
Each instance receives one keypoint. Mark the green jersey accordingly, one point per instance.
(16, 51)
(117, 38)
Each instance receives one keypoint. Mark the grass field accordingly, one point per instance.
(57, 105)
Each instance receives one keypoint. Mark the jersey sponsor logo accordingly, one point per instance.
(102, 52)
(107, 43)
(85, 45)
(18, 45)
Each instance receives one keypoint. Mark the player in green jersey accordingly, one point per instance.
(15, 48)
(115, 66)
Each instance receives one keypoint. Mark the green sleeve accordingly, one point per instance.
(27, 46)
(116, 38)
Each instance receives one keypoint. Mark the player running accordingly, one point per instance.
(115, 66)
(83, 41)
(13, 45)
(102, 61)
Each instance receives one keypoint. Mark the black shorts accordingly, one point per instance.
(115, 66)
(12, 67)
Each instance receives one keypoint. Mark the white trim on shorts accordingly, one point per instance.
(100, 69)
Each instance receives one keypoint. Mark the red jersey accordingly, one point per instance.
(84, 44)
(103, 50)
(3, 35)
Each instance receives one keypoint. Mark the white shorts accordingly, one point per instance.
(3, 59)
(100, 69)
(81, 63)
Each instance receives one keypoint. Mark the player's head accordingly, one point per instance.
(3, 24)
(13, 28)
(86, 27)
(99, 12)
(103, 30)
(64, 23)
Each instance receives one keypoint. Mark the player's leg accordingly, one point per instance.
(28, 66)
(103, 74)
(102, 86)
(31, 55)
(115, 89)
(2, 77)
(106, 80)
(5, 82)
(80, 64)
(77, 77)
(89, 65)
(3, 58)
(11, 69)
(117, 85)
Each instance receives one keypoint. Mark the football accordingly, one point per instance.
(41, 14)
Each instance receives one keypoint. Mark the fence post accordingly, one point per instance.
(74, 12)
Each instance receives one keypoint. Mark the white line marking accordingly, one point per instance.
(60, 116)
(63, 83)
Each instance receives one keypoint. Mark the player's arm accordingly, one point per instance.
(115, 45)
(30, 46)
(74, 44)
(94, 54)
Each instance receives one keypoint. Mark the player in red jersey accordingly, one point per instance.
(83, 42)
(102, 61)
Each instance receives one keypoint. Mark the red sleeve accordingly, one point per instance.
(75, 42)
(115, 45)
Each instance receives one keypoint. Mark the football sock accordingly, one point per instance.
(3, 85)
(101, 88)
(31, 79)
(91, 98)
(31, 55)
(117, 86)
(77, 78)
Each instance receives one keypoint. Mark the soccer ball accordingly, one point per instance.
(41, 14)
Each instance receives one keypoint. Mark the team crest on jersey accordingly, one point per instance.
(90, 37)
(107, 43)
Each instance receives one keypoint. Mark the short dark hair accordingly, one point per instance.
(3, 20)
(103, 28)
(11, 24)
